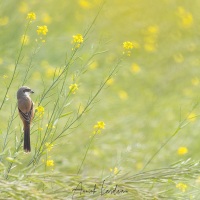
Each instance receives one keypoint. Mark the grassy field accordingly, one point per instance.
(74, 55)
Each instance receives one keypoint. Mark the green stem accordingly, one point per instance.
(181, 125)
(16, 64)
(91, 140)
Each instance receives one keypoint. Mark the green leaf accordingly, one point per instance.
(12, 160)
(65, 114)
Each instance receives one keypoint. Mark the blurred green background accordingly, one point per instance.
(155, 88)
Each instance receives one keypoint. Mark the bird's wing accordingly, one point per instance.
(27, 116)
(30, 113)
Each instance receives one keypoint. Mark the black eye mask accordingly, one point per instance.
(26, 90)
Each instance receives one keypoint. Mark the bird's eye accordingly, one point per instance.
(26, 90)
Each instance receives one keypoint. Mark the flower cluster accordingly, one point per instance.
(42, 30)
(50, 126)
(192, 117)
(40, 129)
(49, 146)
(186, 18)
(110, 81)
(31, 16)
(39, 111)
(4, 21)
(52, 72)
(99, 126)
(123, 95)
(77, 40)
(135, 68)
(115, 170)
(127, 46)
(182, 150)
(85, 4)
(181, 186)
(150, 39)
(195, 81)
(50, 163)
(5, 76)
(73, 88)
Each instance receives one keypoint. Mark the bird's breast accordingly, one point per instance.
(24, 104)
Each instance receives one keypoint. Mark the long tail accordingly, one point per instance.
(27, 142)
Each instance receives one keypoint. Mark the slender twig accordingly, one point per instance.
(16, 65)
(180, 126)
(84, 157)
(90, 101)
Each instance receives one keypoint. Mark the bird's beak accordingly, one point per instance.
(32, 91)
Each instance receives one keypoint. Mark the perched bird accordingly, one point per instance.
(26, 113)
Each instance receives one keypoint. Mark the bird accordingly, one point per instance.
(26, 113)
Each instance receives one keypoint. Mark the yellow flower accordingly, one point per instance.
(49, 146)
(195, 81)
(31, 16)
(135, 68)
(128, 45)
(46, 18)
(181, 186)
(40, 129)
(84, 4)
(77, 40)
(110, 81)
(185, 17)
(182, 150)
(153, 29)
(151, 38)
(151, 47)
(40, 111)
(93, 65)
(115, 170)
(123, 95)
(4, 21)
(23, 7)
(5, 76)
(139, 165)
(73, 88)
(25, 39)
(50, 126)
(42, 30)
(52, 71)
(49, 163)
(100, 125)
(192, 117)
(187, 21)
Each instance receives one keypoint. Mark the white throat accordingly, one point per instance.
(27, 94)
